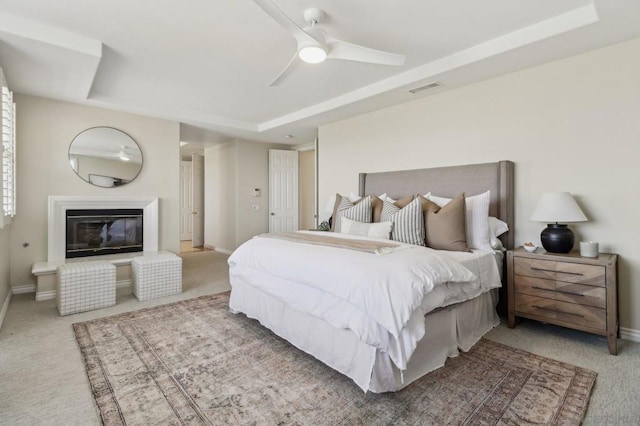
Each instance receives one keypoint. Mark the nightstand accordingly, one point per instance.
(565, 289)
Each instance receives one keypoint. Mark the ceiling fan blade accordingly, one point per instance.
(293, 63)
(339, 49)
(279, 16)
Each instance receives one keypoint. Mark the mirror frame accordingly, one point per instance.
(122, 181)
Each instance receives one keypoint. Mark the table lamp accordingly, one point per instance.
(557, 209)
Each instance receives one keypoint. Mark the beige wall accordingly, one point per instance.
(307, 189)
(253, 172)
(45, 130)
(220, 183)
(570, 125)
(5, 283)
(232, 171)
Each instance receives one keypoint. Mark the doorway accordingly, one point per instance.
(283, 190)
(192, 203)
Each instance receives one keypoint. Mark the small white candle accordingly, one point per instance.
(588, 249)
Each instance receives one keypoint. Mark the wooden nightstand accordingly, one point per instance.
(566, 290)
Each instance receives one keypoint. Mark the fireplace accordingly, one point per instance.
(96, 232)
(60, 205)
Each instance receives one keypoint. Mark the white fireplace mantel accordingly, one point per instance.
(58, 206)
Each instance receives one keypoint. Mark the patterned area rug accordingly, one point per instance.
(193, 362)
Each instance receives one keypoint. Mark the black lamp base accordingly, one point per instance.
(557, 238)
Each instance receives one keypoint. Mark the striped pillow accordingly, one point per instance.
(360, 212)
(408, 224)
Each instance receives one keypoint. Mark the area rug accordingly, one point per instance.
(193, 362)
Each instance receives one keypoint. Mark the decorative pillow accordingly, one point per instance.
(477, 216)
(375, 230)
(377, 209)
(408, 224)
(361, 211)
(353, 197)
(445, 226)
(496, 228)
(376, 203)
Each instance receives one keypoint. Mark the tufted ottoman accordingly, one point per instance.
(83, 286)
(156, 276)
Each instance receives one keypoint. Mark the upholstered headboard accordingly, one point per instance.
(448, 182)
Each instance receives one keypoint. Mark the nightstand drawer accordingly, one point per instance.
(540, 307)
(560, 271)
(562, 291)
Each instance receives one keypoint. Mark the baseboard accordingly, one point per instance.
(5, 307)
(45, 295)
(630, 334)
(51, 294)
(223, 250)
(21, 289)
(123, 283)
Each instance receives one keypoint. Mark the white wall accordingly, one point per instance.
(45, 130)
(232, 171)
(570, 125)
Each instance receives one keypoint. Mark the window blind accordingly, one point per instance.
(8, 151)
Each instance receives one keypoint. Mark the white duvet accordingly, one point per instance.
(378, 297)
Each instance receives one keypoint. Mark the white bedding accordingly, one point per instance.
(380, 298)
(457, 326)
(484, 265)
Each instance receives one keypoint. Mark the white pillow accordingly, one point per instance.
(374, 230)
(477, 216)
(353, 197)
(496, 228)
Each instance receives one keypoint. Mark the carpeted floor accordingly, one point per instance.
(43, 380)
(167, 365)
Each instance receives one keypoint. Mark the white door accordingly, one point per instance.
(283, 190)
(186, 201)
(198, 200)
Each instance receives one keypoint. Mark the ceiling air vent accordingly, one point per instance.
(429, 86)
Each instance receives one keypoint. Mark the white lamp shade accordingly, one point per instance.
(559, 207)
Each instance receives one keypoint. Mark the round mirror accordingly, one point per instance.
(106, 157)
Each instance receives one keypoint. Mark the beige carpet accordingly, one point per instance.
(192, 362)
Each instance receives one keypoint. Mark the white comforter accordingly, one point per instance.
(378, 297)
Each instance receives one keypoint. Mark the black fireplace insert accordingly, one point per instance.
(103, 231)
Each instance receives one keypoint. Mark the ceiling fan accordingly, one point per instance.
(315, 45)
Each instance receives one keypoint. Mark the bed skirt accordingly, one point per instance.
(448, 330)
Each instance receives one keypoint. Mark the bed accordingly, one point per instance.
(379, 356)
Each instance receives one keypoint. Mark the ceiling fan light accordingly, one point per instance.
(123, 156)
(312, 54)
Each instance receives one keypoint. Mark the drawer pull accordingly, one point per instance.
(557, 311)
(553, 270)
(559, 291)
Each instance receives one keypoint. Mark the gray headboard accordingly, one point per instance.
(448, 182)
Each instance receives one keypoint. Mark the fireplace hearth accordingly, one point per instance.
(94, 232)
